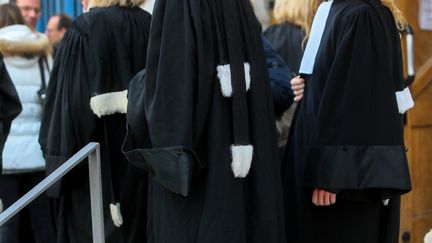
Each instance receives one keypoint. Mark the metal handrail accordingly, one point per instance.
(91, 151)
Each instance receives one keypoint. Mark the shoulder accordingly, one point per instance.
(109, 18)
(349, 10)
(282, 27)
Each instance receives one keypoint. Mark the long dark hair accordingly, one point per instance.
(10, 14)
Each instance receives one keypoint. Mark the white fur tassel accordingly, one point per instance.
(224, 75)
(247, 75)
(109, 103)
(116, 214)
(1, 206)
(386, 202)
(404, 100)
(241, 160)
(428, 237)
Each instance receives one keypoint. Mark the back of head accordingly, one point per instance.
(293, 11)
(65, 21)
(109, 3)
(10, 15)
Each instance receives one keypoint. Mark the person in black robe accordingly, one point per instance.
(287, 33)
(206, 92)
(346, 160)
(86, 102)
(10, 105)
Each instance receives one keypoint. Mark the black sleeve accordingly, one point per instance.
(358, 140)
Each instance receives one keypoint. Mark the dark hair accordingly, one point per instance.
(10, 14)
(65, 21)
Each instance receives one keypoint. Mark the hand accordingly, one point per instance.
(323, 198)
(298, 85)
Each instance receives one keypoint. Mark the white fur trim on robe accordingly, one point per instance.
(116, 215)
(241, 159)
(224, 75)
(109, 103)
(428, 237)
(404, 100)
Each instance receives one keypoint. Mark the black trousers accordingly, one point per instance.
(35, 222)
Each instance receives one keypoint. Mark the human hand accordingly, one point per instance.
(323, 198)
(298, 85)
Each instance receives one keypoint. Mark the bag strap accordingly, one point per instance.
(41, 62)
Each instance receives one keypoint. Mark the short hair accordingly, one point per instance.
(109, 3)
(65, 21)
(10, 14)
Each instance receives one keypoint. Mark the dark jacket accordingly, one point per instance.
(280, 76)
(287, 40)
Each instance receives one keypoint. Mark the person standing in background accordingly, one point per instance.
(56, 28)
(288, 32)
(27, 57)
(30, 11)
(85, 5)
(287, 36)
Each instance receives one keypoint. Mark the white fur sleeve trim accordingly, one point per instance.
(386, 202)
(116, 214)
(1, 206)
(241, 160)
(109, 103)
(428, 237)
(404, 100)
(224, 75)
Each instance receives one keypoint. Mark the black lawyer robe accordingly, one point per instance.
(86, 101)
(184, 106)
(10, 105)
(347, 135)
(287, 39)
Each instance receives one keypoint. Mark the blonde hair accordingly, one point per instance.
(293, 11)
(401, 22)
(108, 3)
(397, 13)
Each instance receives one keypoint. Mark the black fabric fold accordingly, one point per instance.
(338, 168)
(232, 41)
(173, 167)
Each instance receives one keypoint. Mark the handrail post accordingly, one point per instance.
(95, 177)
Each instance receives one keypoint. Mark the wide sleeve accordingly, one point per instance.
(357, 141)
(67, 122)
